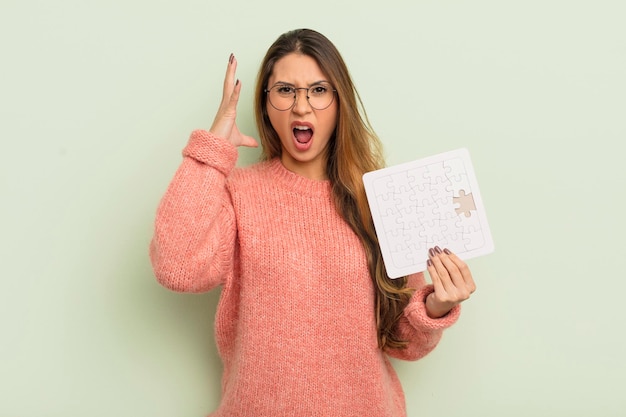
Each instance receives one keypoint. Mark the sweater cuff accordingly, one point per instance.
(205, 147)
(416, 313)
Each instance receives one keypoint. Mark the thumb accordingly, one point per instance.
(249, 141)
(244, 140)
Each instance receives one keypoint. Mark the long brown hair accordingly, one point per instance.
(354, 150)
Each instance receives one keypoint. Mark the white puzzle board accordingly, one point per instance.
(434, 201)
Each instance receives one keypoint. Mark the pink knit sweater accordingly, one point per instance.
(295, 324)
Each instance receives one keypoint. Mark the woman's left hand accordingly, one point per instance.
(451, 279)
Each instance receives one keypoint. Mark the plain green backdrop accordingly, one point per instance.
(97, 99)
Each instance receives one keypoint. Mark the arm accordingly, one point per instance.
(194, 235)
(417, 327)
(195, 228)
(435, 307)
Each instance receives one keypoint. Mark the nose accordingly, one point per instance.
(301, 106)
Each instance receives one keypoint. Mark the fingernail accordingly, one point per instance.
(429, 262)
(237, 82)
(431, 251)
(437, 249)
(230, 60)
(447, 251)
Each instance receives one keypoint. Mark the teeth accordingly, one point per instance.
(301, 128)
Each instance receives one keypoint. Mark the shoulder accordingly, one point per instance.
(250, 176)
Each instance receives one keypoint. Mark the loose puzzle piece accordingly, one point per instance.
(430, 202)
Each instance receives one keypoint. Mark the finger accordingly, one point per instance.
(466, 273)
(460, 290)
(249, 141)
(234, 95)
(231, 67)
(454, 272)
(228, 107)
(229, 78)
(434, 277)
(245, 140)
(441, 271)
(224, 121)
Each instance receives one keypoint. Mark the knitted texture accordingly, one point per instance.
(295, 325)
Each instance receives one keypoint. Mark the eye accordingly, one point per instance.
(319, 90)
(285, 90)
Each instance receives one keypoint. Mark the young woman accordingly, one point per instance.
(307, 317)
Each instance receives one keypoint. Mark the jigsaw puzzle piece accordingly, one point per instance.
(400, 257)
(418, 254)
(402, 182)
(406, 202)
(458, 242)
(460, 183)
(391, 226)
(457, 175)
(467, 223)
(436, 173)
(408, 219)
(432, 232)
(472, 232)
(383, 186)
(455, 169)
(450, 223)
(411, 226)
(446, 209)
(475, 239)
(428, 211)
(386, 203)
(424, 195)
(441, 193)
(417, 178)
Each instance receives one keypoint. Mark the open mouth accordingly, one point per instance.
(303, 134)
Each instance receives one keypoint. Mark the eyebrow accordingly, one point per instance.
(292, 84)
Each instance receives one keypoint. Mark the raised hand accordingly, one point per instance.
(451, 279)
(224, 124)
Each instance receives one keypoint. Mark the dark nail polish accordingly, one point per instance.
(237, 82)
(230, 60)
(447, 251)
(437, 249)
(429, 262)
(431, 251)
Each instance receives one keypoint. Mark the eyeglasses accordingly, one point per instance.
(283, 96)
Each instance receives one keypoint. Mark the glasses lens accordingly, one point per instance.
(321, 96)
(282, 97)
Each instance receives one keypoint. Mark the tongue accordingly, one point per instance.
(303, 136)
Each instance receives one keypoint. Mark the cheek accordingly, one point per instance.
(330, 122)
(277, 120)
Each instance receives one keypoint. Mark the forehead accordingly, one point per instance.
(297, 69)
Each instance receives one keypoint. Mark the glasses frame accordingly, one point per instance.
(295, 95)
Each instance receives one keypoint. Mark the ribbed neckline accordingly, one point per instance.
(297, 183)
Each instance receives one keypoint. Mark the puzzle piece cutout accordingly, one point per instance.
(431, 202)
(465, 202)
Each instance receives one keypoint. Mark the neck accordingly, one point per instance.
(314, 170)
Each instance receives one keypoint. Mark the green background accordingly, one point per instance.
(97, 99)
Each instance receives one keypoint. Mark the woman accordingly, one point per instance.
(307, 316)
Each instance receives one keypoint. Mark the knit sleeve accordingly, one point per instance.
(194, 231)
(415, 326)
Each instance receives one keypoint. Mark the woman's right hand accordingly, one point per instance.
(224, 124)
